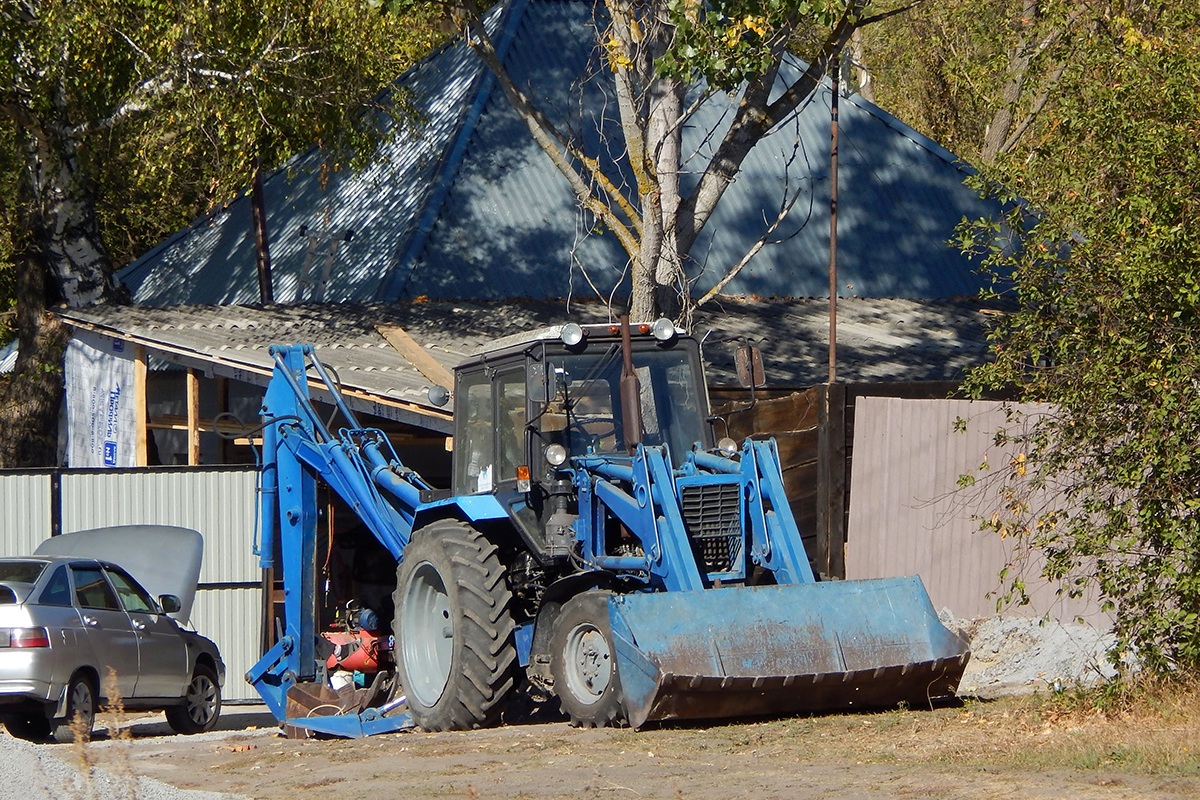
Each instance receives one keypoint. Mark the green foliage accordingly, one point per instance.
(728, 42)
(171, 103)
(1107, 279)
(944, 67)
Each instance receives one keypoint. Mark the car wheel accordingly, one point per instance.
(81, 710)
(30, 727)
(201, 704)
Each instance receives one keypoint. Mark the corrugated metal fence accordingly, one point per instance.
(908, 515)
(220, 503)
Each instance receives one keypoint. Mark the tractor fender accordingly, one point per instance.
(473, 509)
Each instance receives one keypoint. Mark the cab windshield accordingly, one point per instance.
(585, 414)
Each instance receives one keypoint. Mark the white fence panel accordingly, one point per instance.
(219, 503)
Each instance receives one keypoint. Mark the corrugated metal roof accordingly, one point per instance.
(466, 206)
(8, 357)
(878, 340)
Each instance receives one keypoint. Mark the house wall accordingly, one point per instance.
(909, 516)
(220, 503)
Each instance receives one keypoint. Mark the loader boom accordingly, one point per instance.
(595, 546)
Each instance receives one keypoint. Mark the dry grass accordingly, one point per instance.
(1151, 729)
(119, 765)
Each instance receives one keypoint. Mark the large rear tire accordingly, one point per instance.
(583, 663)
(454, 630)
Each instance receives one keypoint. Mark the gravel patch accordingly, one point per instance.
(1018, 655)
(55, 772)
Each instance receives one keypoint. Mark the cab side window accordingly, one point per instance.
(475, 436)
(510, 427)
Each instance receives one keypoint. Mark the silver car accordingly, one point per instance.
(79, 633)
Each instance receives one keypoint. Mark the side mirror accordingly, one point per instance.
(169, 603)
(535, 382)
(438, 395)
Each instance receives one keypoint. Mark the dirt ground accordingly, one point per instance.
(1011, 747)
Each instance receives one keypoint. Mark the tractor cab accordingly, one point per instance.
(525, 408)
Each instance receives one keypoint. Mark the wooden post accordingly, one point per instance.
(141, 414)
(262, 246)
(193, 418)
(222, 384)
(833, 218)
(831, 482)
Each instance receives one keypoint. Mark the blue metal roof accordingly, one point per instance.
(466, 206)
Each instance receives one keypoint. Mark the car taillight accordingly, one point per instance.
(24, 637)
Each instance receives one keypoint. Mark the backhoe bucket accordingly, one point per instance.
(747, 651)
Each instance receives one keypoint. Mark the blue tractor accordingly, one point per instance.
(596, 545)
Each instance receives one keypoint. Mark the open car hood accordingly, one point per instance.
(163, 558)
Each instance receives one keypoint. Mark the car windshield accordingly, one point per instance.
(17, 578)
(587, 406)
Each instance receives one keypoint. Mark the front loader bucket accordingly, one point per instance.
(746, 651)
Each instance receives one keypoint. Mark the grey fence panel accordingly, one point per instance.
(231, 617)
(219, 503)
(909, 516)
(25, 514)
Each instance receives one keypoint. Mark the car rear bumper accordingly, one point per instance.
(25, 674)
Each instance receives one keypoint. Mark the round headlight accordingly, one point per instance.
(727, 446)
(663, 329)
(571, 334)
(556, 455)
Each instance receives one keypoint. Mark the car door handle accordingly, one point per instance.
(138, 625)
(91, 622)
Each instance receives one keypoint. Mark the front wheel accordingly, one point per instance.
(454, 630)
(583, 663)
(201, 704)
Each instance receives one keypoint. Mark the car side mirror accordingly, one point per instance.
(169, 603)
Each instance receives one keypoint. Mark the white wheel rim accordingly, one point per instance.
(588, 663)
(427, 631)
